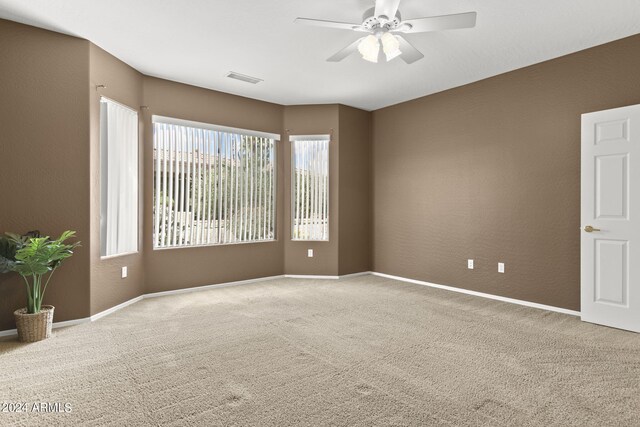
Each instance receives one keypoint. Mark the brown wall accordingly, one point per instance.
(355, 146)
(491, 171)
(124, 85)
(169, 269)
(312, 120)
(44, 156)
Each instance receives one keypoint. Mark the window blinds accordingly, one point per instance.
(310, 192)
(212, 186)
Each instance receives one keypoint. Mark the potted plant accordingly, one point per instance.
(35, 258)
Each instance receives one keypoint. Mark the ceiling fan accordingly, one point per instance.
(383, 22)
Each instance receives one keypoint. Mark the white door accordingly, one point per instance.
(610, 231)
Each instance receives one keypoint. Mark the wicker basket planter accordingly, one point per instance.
(34, 327)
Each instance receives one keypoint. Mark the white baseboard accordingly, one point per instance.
(73, 322)
(93, 318)
(344, 276)
(8, 333)
(205, 287)
(116, 308)
(111, 310)
(13, 332)
(349, 276)
(481, 294)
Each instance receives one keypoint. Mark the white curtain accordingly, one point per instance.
(119, 178)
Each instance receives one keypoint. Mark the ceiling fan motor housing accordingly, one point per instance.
(372, 22)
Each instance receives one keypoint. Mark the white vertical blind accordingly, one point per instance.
(310, 186)
(212, 186)
(118, 179)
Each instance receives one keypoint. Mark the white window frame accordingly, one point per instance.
(273, 216)
(326, 138)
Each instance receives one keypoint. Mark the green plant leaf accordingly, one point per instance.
(36, 256)
(7, 254)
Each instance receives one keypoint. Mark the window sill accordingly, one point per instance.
(215, 245)
(107, 257)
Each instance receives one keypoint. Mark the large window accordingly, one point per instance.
(118, 179)
(310, 187)
(212, 185)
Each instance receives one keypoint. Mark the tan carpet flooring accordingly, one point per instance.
(364, 351)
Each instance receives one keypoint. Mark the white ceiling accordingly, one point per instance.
(199, 41)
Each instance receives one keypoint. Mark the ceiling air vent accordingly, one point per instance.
(242, 77)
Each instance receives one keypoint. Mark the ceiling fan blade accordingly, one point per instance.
(339, 56)
(387, 8)
(409, 53)
(327, 24)
(439, 23)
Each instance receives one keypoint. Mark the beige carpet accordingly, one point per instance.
(363, 351)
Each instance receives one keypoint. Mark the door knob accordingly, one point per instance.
(590, 229)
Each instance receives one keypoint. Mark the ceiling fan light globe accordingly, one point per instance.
(368, 44)
(372, 55)
(389, 43)
(370, 58)
(390, 46)
(369, 48)
(393, 54)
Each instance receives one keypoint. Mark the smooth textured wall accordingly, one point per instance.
(123, 85)
(491, 171)
(169, 269)
(354, 203)
(44, 157)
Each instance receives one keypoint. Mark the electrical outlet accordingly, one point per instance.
(124, 272)
(470, 264)
(310, 253)
(501, 267)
